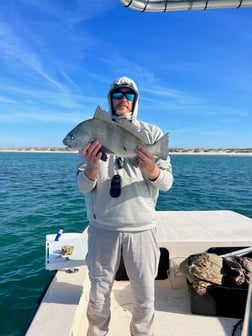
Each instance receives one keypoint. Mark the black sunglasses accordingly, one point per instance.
(115, 187)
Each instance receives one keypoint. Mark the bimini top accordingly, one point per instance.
(177, 5)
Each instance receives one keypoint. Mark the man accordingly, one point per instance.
(121, 199)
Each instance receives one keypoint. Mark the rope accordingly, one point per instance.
(146, 4)
(129, 4)
(207, 4)
(241, 1)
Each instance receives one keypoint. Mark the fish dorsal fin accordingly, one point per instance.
(133, 130)
(102, 115)
(126, 125)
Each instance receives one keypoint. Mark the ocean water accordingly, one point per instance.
(39, 195)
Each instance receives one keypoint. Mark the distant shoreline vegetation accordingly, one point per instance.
(244, 151)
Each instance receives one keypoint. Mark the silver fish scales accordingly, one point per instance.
(119, 138)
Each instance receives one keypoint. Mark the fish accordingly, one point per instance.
(119, 138)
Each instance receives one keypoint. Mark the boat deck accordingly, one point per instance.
(173, 316)
(62, 312)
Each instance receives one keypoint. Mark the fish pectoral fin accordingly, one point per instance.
(160, 147)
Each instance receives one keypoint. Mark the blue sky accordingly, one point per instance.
(58, 58)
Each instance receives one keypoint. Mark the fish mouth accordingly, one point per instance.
(65, 142)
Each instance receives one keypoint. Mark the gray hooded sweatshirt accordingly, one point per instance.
(134, 209)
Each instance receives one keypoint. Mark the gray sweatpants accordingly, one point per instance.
(141, 255)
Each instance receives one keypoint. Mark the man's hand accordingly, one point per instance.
(93, 155)
(147, 164)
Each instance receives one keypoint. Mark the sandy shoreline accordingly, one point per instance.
(36, 150)
(173, 151)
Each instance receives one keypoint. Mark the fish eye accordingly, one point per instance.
(71, 136)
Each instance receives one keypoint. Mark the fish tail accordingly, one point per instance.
(160, 148)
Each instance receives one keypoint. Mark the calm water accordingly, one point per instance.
(39, 194)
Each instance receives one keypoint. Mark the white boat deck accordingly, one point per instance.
(172, 315)
(62, 311)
